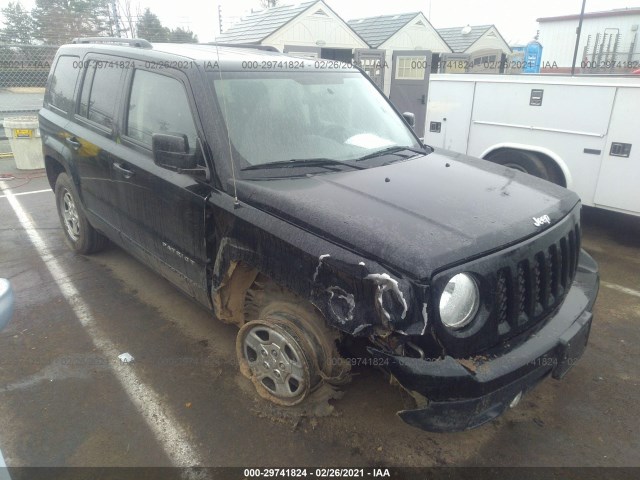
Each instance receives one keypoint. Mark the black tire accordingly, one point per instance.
(526, 162)
(78, 232)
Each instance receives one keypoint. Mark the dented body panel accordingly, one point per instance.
(464, 395)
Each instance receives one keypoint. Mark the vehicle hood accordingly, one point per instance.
(419, 215)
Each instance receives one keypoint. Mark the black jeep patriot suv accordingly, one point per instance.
(294, 201)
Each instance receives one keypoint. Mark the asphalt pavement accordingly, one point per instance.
(67, 400)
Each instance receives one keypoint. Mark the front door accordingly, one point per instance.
(373, 62)
(410, 84)
(162, 211)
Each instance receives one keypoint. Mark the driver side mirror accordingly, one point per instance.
(410, 118)
(171, 151)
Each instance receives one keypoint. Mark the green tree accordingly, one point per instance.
(182, 35)
(18, 25)
(59, 21)
(150, 28)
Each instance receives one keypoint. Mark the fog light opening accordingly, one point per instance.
(516, 400)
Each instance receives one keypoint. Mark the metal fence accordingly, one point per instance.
(25, 65)
(603, 54)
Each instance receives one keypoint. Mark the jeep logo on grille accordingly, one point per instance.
(539, 221)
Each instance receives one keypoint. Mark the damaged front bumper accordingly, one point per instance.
(452, 397)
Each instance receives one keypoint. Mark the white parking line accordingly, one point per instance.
(168, 431)
(620, 288)
(25, 193)
(4, 472)
(2, 463)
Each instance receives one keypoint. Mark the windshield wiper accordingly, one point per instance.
(390, 151)
(303, 162)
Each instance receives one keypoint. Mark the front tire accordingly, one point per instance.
(78, 232)
(285, 348)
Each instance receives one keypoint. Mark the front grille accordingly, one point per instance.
(521, 286)
(528, 292)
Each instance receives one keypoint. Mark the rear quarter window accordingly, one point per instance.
(100, 90)
(63, 83)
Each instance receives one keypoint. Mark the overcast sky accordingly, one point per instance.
(516, 19)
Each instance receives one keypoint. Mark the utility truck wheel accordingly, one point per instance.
(526, 162)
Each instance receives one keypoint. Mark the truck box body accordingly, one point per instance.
(587, 126)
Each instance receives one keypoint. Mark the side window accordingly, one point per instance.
(63, 82)
(410, 68)
(99, 92)
(159, 104)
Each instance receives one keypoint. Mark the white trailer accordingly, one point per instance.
(579, 132)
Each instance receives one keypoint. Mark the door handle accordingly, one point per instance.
(125, 172)
(73, 141)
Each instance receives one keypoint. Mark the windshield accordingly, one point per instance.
(283, 117)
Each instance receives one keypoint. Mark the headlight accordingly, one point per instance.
(459, 301)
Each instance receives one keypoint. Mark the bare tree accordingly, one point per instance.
(127, 18)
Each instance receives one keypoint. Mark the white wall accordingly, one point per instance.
(309, 28)
(558, 37)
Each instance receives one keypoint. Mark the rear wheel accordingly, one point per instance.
(526, 162)
(78, 233)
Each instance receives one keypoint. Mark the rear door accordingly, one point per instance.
(91, 134)
(162, 211)
(410, 84)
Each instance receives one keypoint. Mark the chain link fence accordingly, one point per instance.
(25, 65)
(23, 75)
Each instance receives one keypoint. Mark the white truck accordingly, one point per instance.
(580, 132)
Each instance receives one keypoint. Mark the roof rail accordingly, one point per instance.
(133, 42)
(266, 48)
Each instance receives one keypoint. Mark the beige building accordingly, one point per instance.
(311, 29)
(477, 49)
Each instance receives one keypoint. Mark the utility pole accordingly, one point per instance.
(220, 17)
(116, 19)
(578, 32)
